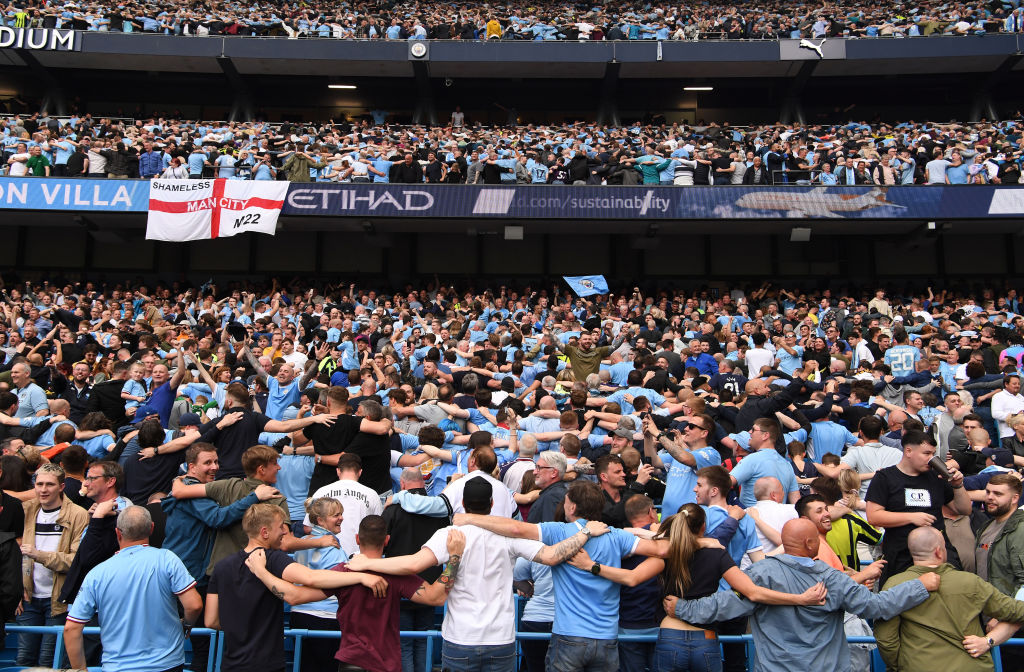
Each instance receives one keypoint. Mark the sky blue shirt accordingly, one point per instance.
(829, 437)
(627, 408)
(136, 592)
(789, 363)
(681, 479)
(900, 359)
(587, 605)
(764, 462)
(743, 541)
(281, 398)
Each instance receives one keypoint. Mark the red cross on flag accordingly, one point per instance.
(182, 210)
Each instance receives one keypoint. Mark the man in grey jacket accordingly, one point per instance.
(802, 638)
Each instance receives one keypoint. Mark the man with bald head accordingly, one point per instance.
(31, 397)
(798, 638)
(945, 631)
(762, 402)
(771, 512)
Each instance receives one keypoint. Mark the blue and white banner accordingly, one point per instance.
(41, 193)
(557, 202)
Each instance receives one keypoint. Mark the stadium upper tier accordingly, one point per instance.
(538, 21)
(852, 153)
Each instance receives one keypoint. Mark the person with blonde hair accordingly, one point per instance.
(325, 516)
(250, 615)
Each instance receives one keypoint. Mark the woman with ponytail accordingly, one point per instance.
(693, 568)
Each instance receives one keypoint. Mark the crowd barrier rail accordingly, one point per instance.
(217, 642)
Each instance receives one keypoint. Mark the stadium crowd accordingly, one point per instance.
(852, 153)
(178, 455)
(541, 21)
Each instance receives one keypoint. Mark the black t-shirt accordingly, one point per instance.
(234, 440)
(330, 440)
(897, 492)
(12, 515)
(251, 618)
(142, 478)
(707, 566)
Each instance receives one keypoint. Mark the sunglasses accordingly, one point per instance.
(693, 425)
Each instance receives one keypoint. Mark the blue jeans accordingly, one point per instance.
(687, 651)
(414, 651)
(569, 654)
(37, 649)
(637, 656)
(459, 658)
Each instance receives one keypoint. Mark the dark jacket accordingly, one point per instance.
(98, 544)
(748, 176)
(547, 506)
(409, 531)
(10, 577)
(403, 173)
(106, 397)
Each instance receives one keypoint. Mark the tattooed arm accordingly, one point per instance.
(563, 550)
(434, 594)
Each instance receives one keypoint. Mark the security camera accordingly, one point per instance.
(448, 81)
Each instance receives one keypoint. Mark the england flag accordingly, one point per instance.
(181, 210)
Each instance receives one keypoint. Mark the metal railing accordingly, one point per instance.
(217, 642)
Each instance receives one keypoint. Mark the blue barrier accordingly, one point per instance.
(213, 664)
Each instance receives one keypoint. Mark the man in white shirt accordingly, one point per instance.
(18, 162)
(770, 512)
(758, 356)
(357, 500)
(1006, 403)
(873, 455)
(482, 462)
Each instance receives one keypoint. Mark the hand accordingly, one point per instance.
(377, 584)
(922, 519)
(359, 563)
(710, 542)
(456, 542)
(582, 560)
(229, 419)
(754, 513)
(669, 603)
(597, 528)
(931, 581)
(265, 492)
(147, 453)
(460, 519)
(324, 419)
(815, 595)
(257, 561)
(956, 478)
(737, 512)
(873, 572)
(329, 540)
(643, 474)
(104, 509)
(976, 646)
(28, 550)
